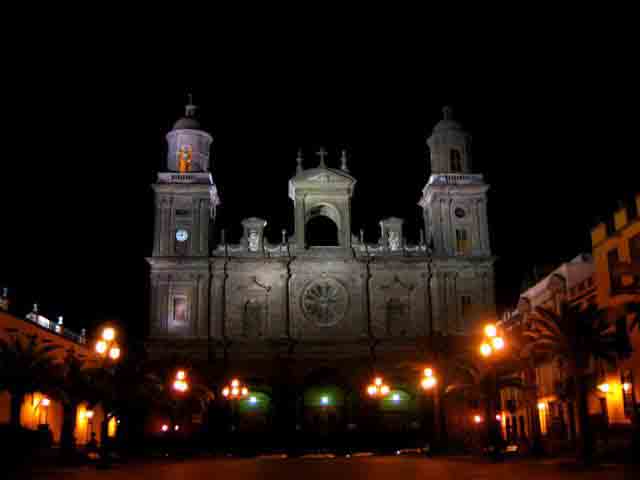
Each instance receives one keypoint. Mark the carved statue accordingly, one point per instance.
(254, 241)
(394, 241)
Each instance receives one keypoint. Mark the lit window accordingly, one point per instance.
(462, 242)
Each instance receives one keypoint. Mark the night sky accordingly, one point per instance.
(552, 134)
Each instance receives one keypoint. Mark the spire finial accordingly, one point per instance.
(343, 161)
(447, 112)
(190, 108)
(322, 153)
(299, 168)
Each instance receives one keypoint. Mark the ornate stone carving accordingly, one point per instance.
(324, 302)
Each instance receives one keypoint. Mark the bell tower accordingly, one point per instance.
(454, 199)
(454, 205)
(186, 199)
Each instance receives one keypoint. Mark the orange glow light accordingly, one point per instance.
(490, 330)
(428, 383)
(477, 419)
(89, 414)
(499, 417)
(485, 349)
(384, 390)
(245, 391)
(498, 343)
(234, 392)
(45, 402)
(114, 353)
(626, 386)
(181, 375)
(101, 347)
(235, 382)
(378, 381)
(372, 390)
(428, 372)
(225, 392)
(604, 387)
(165, 427)
(108, 334)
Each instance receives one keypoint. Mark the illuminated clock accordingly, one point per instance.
(182, 235)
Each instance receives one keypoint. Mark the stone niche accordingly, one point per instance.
(255, 296)
(327, 300)
(398, 300)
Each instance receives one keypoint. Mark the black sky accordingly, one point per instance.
(554, 130)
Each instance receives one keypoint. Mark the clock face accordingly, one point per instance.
(182, 235)
(460, 213)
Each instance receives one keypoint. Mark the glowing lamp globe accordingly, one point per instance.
(428, 372)
(498, 343)
(108, 334)
(384, 390)
(101, 347)
(490, 330)
(372, 390)
(114, 353)
(485, 349)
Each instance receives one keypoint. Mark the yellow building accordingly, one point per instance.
(616, 243)
(39, 411)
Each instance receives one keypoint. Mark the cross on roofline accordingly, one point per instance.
(322, 153)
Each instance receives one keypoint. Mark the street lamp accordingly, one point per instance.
(106, 346)
(180, 383)
(492, 344)
(429, 380)
(233, 392)
(378, 388)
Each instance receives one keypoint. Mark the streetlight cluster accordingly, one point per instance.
(107, 345)
(235, 390)
(180, 384)
(429, 380)
(378, 388)
(492, 341)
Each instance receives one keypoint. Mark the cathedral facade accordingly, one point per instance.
(321, 305)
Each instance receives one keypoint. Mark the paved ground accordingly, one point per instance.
(383, 468)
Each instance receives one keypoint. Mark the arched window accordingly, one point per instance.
(321, 231)
(456, 160)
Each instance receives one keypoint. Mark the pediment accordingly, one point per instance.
(321, 179)
(323, 175)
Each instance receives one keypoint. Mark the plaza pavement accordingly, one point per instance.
(360, 468)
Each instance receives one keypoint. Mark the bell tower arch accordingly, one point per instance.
(322, 192)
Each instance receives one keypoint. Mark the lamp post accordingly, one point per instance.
(428, 384)
(109, 351)
(107, 347)
(234, 392)
(491, 347)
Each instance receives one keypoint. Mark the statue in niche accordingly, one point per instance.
(254, 241)
(396, 313)
(252, 319)
(394, 241)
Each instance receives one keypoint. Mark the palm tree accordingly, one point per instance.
(484, 383)
(577, 336)
(25, 364)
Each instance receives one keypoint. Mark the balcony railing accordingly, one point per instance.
(54, 327)
(455, 179)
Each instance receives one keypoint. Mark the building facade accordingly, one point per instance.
(40, 411)
(331, 304)
(616, 251)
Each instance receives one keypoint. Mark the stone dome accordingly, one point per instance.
(189, 120)
(447, 123)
